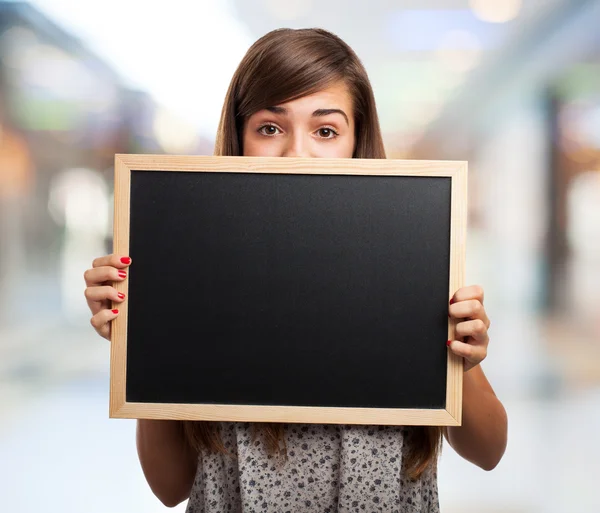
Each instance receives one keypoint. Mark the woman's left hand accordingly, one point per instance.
(472, 327)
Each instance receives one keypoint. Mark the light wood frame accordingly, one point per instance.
(451, 415)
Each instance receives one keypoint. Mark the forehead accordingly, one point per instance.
(336, 95)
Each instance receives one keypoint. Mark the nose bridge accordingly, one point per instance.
(298, 145)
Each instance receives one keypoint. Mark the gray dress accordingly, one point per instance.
(329, 468)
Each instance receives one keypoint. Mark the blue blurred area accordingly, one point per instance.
(418, 30)
(518, 98)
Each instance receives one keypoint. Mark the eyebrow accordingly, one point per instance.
(316, 113)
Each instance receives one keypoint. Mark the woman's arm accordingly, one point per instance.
(482, 437)
(168, 462)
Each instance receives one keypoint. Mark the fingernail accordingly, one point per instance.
(126, 260)
(449, 342)
(121, 295)
(452, 301)
(115, 311)
(122, 274)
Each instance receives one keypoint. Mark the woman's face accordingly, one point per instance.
(318, 125)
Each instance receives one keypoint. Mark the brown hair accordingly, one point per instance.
(282, 66)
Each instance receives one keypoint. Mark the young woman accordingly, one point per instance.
(304, 93)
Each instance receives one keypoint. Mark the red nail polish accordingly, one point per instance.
(449, 342)
(121, 295)
(126, 260)
(115, 311)
(122, 274)
(452, 301)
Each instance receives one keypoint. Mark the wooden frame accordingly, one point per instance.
(449, 416)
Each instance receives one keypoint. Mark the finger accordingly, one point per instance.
(473, 353)
(470, 309)
(475, 329)
(101, 321)
(101, 275)
(466, 293)
(104, 293)
(113, 260)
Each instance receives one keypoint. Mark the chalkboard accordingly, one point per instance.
(294, 290)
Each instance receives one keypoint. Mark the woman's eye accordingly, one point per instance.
(269, 130)
(327, 133)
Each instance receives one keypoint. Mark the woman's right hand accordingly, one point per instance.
(168, 462)
(99, 291)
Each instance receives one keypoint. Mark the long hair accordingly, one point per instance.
(282, 66)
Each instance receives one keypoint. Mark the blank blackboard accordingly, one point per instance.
(297, 290)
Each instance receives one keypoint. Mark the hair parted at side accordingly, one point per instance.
(287, 64)
(281, 66)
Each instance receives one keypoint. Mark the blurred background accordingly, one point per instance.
(512, 86)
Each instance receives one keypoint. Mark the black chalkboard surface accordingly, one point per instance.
(287, 289)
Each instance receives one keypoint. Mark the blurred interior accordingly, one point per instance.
(513, 87)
